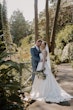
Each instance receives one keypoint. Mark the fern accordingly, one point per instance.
(9, 85)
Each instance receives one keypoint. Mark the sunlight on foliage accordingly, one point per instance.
(64, 36)
(26, 44)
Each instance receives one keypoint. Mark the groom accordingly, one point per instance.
(35, 51)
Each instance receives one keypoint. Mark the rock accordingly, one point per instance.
(58, 51)
(67, 53)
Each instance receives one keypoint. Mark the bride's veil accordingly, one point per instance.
(48, 57)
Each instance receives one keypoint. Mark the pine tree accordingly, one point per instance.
(6, 28)
(1, 32)
(54, 27)
(47, 23)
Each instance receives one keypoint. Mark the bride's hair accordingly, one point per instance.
(44, 42)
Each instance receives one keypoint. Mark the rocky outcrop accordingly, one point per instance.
(67, 54)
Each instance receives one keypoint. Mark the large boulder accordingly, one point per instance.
(67, 53)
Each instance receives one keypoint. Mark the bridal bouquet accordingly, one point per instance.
(40, 74)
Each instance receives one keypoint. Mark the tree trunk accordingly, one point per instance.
(54, 27)
(1, 30)
(47, 23)
(36, 19)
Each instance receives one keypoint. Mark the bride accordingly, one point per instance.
(47, 90)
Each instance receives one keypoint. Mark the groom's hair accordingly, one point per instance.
(39, 40)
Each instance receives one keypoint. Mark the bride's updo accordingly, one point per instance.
(44, 42)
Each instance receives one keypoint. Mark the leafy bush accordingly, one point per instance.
(64, 36)
(2, 46)
(9, 86)
(30, 39)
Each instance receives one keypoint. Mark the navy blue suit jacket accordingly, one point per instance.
(35, 57)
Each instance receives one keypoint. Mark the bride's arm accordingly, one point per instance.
(44, 58)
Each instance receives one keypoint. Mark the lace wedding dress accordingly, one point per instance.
(47, 90)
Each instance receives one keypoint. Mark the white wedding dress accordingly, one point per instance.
(47, 90)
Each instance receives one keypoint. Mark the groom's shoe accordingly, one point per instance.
(49, 102)
(32, 101)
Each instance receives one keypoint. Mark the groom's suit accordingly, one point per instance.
(35, 59)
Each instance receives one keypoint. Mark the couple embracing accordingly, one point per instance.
(47, 90)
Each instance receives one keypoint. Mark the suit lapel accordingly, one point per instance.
(37, 49)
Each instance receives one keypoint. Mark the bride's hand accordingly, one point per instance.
(42, 60)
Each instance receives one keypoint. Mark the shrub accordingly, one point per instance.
(9, 86)
(30, 39)
(64, 36)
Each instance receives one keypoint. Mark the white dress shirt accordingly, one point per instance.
(37, 47)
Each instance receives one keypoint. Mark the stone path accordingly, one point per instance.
(65, 79)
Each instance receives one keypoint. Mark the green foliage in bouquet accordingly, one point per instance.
(40, 74)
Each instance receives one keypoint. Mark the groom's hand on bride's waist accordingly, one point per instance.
(42, 60)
